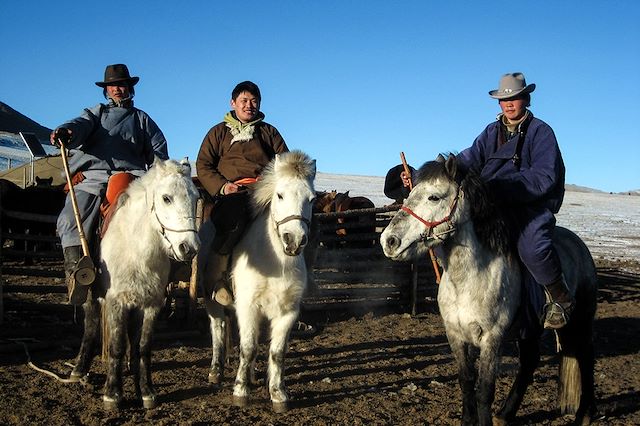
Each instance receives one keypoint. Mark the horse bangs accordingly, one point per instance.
(431, 170)
(294, 164)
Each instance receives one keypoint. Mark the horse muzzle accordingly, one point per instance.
(293, 246)
(186, 250)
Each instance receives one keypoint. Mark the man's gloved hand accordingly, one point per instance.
(61, 134)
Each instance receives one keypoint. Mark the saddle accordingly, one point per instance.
(117, 184)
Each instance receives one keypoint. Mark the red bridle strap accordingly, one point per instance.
(426, 223)
(430, 224)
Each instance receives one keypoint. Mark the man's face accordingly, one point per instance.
(246, 107)
(513, 109)
(118, 92)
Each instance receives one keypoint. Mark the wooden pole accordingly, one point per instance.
(434, 260)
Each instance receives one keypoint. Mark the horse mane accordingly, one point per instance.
(488, 219)
(138, 187)
(294, 164)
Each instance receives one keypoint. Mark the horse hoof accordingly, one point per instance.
(499, 422)
(241, 401)
(110, 403)
(280, 407)
(215, 379)
(149, 402)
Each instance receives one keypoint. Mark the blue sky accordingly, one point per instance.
(352, 83)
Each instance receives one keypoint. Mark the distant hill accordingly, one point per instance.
(577, 188)
(12, 121)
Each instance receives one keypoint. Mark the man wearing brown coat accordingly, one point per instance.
(231, 158)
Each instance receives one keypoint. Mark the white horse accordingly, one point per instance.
(154, 222)
(268, 274)
(479, 295)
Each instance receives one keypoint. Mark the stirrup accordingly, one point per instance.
(555, 315)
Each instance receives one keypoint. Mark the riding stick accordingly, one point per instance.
(434, 260)
(85, 270)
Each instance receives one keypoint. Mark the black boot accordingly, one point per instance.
(77, 292)
(221, 288)
(559, 306)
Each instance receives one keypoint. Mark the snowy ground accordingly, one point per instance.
(608, 223)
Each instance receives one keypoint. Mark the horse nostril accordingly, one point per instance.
(286, 237)
(393, 241)
(185, 250)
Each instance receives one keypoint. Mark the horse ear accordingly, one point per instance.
(186, 166)
(451, 166)
(440, 158)
(156, 161)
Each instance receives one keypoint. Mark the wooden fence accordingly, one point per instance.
(348, 276)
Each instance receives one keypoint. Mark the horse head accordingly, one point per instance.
(286, 189)
(429, 214)
(173, 198)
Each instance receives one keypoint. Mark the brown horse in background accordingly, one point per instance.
(356, 224)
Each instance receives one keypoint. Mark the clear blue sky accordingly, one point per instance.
(352, 83)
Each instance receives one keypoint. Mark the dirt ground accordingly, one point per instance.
(359, 368)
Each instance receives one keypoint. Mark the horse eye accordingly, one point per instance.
(166, 199)
(280, 196)
(433, 198)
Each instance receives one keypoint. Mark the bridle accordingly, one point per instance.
(293, 217)
(164, 228)
(429, 235)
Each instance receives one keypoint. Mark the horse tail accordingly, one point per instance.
(569, 384)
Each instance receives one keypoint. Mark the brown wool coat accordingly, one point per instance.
(219, 161)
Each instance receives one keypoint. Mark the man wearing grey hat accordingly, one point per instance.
(104, 140)
(519, 158)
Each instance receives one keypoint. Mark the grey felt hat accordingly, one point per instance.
(512, 85)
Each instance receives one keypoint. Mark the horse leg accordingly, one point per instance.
(280, 328)
(134, 332)
(465, 359)
(90, 339)
(248, 325)
(486, 385)
(117, 322)
(529, 354)
(147, 392)
(217, 326)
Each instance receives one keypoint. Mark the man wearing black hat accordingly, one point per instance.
(106, 139)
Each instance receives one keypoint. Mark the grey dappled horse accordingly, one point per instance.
(154, 222)
(480, 292)
(268, 274)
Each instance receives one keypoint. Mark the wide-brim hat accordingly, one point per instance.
(512, 85)
(117, 73)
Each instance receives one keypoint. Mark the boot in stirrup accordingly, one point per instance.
(560, 304)
(76, 291)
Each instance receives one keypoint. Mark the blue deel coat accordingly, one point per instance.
(535, 181)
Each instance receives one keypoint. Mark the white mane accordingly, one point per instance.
(295, 164)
